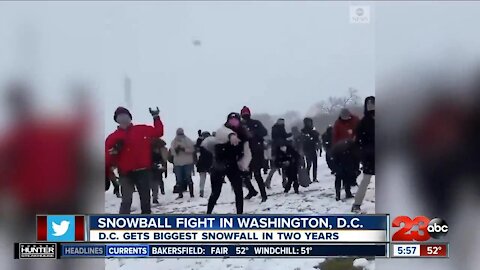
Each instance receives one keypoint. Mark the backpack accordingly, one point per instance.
(304, 177)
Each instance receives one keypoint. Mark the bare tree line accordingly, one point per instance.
(323, 113)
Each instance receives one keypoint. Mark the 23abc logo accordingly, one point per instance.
(436, 228)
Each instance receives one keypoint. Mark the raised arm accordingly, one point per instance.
(157, 130)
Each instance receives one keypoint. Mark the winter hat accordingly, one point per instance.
(233, 119)
(121, 110)
(345, 114)
(206, 134)
(307, 120)
(233, 115)
(245, 111)
(180, 131)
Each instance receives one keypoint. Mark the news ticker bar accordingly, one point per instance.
(428, 250)
(173, 229)
(68, 250)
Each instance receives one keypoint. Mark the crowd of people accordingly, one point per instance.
(137, 157)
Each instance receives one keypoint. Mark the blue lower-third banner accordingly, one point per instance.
(221, 250)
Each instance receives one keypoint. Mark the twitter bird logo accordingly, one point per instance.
(61, 228)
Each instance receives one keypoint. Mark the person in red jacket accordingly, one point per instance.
(344, 154)
(129, 149)
(345, 126)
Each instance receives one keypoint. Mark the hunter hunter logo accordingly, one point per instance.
(36, 250)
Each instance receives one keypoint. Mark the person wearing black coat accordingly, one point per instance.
(297, 140)
(159, 166)
(204, 163)
(289, 159)
(327, 146)
(231, 158)
(311, 144)
(365, 138)
(257, 132)
(345, 155)
(279, 136)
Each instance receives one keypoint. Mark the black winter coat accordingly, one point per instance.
(345, 156)
(291, 155)
(205, 160)
(227, 155)
(310, 141)
(327, 139)
(366, 141)
(257, 132)
(279, 135)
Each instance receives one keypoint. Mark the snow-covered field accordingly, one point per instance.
(318, 198)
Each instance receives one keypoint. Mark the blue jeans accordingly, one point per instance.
(183, 175)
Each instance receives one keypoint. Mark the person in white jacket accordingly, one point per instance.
(182, 149)
(232, 157)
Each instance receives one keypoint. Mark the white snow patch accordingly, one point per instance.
(361, 262)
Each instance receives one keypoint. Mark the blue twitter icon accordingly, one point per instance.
(61, 228)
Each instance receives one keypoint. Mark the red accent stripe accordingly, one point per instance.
(79, 228)
(41, 228)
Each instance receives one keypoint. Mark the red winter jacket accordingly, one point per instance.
(136, 151)
(40, 163)
(345, 129)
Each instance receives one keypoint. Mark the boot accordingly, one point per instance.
(349, 194)
(210, 206)
(251, 195)
(264, 199)
(180, 195)
(162, 188)
(337, 195)
(155, 201)
(296, 191)
(356, 208)
(116, 191)
(190, 188)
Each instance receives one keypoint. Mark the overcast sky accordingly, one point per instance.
(271, 56)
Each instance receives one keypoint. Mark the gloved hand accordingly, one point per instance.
(154, 113)
(179, 149)
(234, 140)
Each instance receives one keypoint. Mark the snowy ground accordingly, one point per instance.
(318, 198)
